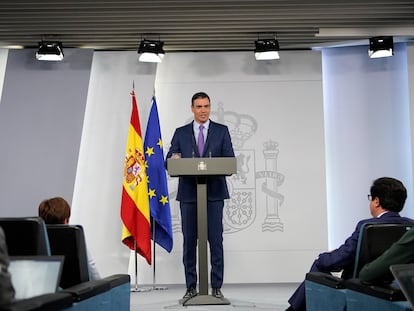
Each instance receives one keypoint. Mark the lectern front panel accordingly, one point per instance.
(201, 166)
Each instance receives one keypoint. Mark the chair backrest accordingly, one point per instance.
(374, 239)
(25, 236)
(69, 241)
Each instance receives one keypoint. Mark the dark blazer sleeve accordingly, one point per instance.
(344, 256)
(341, 257)
(183, 142)
(218, 142)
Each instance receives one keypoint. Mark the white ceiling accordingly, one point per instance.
(191, 25)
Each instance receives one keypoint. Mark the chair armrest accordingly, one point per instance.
(388, 292)
(325, 279)
(51, 302)
(88, 289)
(117, 279)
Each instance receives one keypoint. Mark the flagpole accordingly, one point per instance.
(154, 287)
(135, 209)
(161, 230)
(136, 288)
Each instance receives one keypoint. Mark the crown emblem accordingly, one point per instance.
(241, 126)
(270, 149)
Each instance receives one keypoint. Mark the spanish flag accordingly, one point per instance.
(135, 211)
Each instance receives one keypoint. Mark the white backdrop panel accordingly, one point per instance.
(274, 113)
(97, 195)
(367, 123)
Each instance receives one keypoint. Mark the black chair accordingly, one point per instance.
(25, 236)
(386, 295)
(374, 239)
(69, 241)
(109, 293)
(47, 302)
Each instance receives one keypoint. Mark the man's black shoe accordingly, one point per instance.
(190, 293)
(216, 292)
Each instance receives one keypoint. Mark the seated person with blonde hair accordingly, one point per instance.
(57, 211)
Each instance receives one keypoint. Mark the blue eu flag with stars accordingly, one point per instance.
(161, 227)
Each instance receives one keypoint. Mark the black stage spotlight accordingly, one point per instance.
(151, 51)
(266, 49)
(381, 47)
(50, 50)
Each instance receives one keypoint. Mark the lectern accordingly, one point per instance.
(201, 169)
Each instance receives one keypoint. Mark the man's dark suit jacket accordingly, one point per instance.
(218, 144)
(345, 254)
(343, 257)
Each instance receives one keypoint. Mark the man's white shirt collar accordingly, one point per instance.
(196, 125)
(382, 214)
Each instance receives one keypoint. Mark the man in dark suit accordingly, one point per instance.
(387, 197)
(202, 138)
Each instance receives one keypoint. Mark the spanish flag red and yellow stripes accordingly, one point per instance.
(135, 211)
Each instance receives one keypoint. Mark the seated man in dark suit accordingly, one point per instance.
(401, 252)
(387, 197)
(6, 287)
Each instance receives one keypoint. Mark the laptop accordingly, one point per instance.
(35, 275)
(404, 275)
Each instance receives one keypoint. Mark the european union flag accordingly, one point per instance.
(157, 182)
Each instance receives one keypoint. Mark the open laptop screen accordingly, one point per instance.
(404, 274)
(35, 275)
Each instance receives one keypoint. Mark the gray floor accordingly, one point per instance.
(241, 296)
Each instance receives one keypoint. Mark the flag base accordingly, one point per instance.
(136, 289)
(159, 287)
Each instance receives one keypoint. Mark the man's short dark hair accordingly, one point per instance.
(391, 193)
(199, 95)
